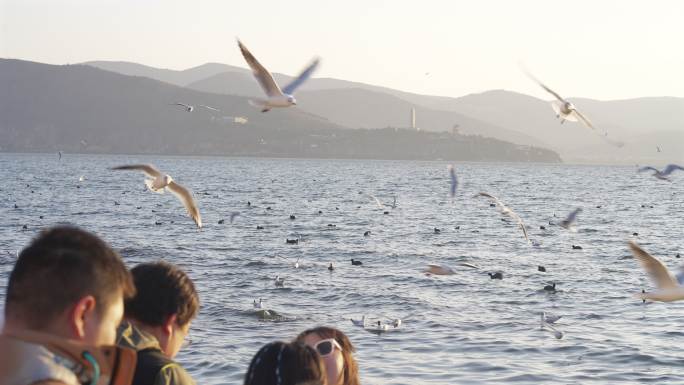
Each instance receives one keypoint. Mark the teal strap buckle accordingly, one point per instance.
(96, 367)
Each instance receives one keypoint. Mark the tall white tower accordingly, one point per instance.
(413, 119)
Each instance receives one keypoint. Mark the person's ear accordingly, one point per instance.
(169, 324)
(81, 314)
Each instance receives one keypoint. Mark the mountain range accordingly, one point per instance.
(82, 108)
(640, 123)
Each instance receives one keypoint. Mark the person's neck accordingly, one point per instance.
(13, 327)
(155, 331)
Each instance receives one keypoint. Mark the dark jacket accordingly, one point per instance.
(153, 367)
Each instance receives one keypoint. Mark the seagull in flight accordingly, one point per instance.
(209, 108)
(507, 211)
(187, 107)
(454, 182)
(445, 270)
(569, 222)
(669, 287)
(158, 183)
(564, 109)
(663, 175)
(276, 97)
(295, 264)
(377, 201)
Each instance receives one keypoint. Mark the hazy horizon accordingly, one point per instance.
(604, 51)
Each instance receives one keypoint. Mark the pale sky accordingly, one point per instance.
(596, 49)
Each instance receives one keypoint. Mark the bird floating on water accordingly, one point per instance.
(550, 317)
(360, 323)
(276, 96)
(356, 262)
(278, 281)
(160, 182)
(497, 275)
(258, 305)
(669, 287)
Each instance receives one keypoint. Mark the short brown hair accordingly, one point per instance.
(60, 266)
(350, 372)
(286, 364)
(162, 290)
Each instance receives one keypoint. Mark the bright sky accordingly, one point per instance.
(596, 49)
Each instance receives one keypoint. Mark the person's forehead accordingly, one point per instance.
(312, 338)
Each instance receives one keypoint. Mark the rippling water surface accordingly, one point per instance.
(459, 329)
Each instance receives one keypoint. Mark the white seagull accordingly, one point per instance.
(187, 107)
(564, 109)
(276, 96)
(295, 264)
(454, 182)
(549, 318)
(569, 222)
(662, 175)
(669, 287)
(360, 323)
(210, 108)
(445, 270)
(258, 305)
(508, 212)
(160, 182)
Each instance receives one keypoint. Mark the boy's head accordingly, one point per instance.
(166, 300)
(70, 283)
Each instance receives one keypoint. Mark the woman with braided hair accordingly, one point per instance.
(281, 363)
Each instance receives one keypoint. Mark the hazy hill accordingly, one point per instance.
(79, 108)
(179, 78)
(499, 113)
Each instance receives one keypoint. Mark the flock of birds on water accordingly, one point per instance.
(668, 287)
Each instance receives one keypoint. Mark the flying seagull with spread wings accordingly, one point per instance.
(663, 175)
(669, 288)
(276, 97)
(160, 182)
(505, 210)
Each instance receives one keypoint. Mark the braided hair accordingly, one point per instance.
(281, 363)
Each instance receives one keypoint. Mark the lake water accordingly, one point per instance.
(458, 329)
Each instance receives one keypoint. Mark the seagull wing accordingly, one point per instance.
(524, 230)
(454, 181)
(572, 216)
(261, 74)
(148, 169)
(655, 269)
(584, 119)
(542, 85)
(186, 198)
(290, 88)
(377, 201)
(672, 167)
(181, 104)
(648, 168)
(210, 108)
